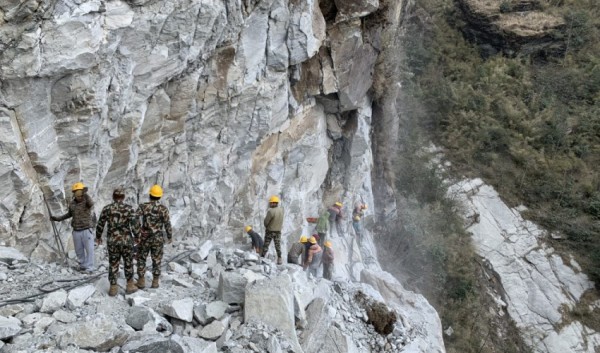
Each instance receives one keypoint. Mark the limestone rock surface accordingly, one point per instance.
(538, 285)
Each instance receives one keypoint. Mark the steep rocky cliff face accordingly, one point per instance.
(219, 102)
(223, 103)
(538, 287)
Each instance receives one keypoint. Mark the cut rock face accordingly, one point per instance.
(271, 301)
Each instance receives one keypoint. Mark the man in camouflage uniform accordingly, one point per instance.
(120, 220)
(154, 217)
(273, 224)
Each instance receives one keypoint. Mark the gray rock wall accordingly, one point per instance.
(221, 102)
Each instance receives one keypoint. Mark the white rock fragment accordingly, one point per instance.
(54, 301)
(182, 309)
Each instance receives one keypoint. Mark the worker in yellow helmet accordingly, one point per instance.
(336, 215)
(273, 224)
(357, 215)
(297, 251)
(81, 209)
(257, 241)
(154, 217)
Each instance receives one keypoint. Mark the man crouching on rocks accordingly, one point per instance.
(121, 221)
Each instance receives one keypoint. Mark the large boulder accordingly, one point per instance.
(9, 327)
(337, 341)
(409, 305)
(355, 8)
(216, 309)
(232, 287)
(138, 317)
(100, 333)
(182, 309)
(202, 252)
(152, 344)
(213, 331)
(79, 295)
(194, 345)
(11, 255)
(319, 319)
(271, 301)
(54, 301)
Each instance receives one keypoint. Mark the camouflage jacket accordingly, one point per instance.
(82, 213)
(120, 220)
(274, 219)
(154, 217)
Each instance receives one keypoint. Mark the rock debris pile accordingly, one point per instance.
(211, 299)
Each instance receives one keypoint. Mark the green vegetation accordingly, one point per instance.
(430, 246)
(530, 126)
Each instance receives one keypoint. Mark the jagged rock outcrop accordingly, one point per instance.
(539, 287)
(512, 27)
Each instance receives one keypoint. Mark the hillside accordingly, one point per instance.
(517, 107)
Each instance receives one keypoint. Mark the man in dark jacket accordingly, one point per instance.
(273, 224)
(297, 251)
(257, 242)
(81, 210)
(119, 219)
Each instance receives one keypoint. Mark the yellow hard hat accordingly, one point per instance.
(365, 206)
(303, 239)
(357, 218)
(328, 244)
(248, 228)
(338, 204)
(274, 199)
(156, 191)
(313, 240)
(78, 186)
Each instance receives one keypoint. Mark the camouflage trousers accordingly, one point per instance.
(153, 245)
(276, 237)
(116, 251)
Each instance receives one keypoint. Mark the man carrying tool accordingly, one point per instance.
(121, 222)
(273, 224)
(81, 210)
(154, 217)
